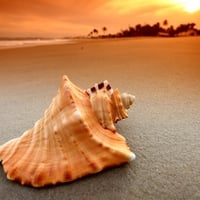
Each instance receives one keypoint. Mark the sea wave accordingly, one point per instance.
(12, 43)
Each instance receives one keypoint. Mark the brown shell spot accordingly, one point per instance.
(93, 166)
(101, 85)
(93, 89)
(67, 175)
(38, 179)
(108, 87)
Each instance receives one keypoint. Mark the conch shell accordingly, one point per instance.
(76, 137)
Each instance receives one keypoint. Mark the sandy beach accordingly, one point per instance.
(162, 128)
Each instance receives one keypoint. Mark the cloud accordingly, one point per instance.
(49, 8)
(131, 12)
(60, 15)
(43, 16)
(129, 6)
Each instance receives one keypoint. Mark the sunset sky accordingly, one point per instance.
(58, 18)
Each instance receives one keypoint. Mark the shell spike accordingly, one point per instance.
(132, 157)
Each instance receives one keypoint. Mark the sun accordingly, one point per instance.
(189, 5)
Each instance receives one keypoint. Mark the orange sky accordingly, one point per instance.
(78, 17)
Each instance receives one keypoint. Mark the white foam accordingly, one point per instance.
(4, 44)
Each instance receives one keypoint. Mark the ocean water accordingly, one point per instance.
(4, 44)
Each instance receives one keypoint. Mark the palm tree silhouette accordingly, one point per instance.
(165, 22)
(104, 29)
(95, 31)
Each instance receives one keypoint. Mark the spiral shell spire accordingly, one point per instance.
(127, 99)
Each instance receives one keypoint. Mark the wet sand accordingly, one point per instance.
(162, 128)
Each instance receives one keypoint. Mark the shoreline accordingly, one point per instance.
(15, 44)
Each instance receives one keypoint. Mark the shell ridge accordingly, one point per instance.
(48, 125)
(84, 135)
(102, 143)
(81, 148)
(78, 117)
(101, 104)
(56, 125)
(52, 170)
(35, 152)
(7, 151)
(12, 163)
(61, 137)
(11, 148)
(120, 111)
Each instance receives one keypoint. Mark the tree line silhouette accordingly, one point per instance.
(148, 30)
